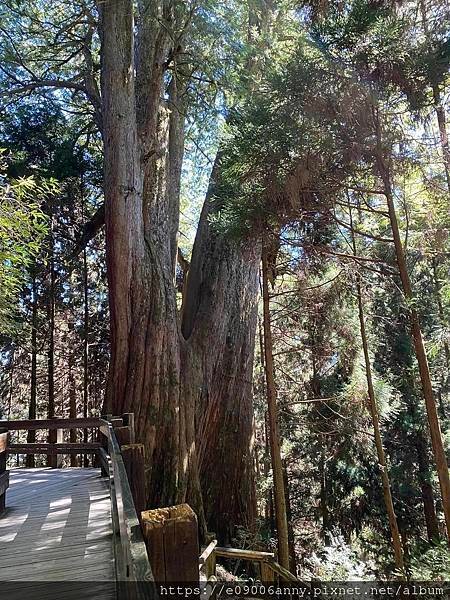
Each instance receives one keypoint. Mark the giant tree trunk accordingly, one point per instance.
(218, 325)
(190, 392)
(144, 373)
(419, 346)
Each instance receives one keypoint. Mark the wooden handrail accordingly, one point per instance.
(236, 553)
(268, 565)
(131, 559)
(207, 552)
(56, 423)
(284, 573)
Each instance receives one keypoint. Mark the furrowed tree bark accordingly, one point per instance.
(221, 297)
(145, 346)
(274, 429)
(219, 325)
(387, 494)
(419, 346)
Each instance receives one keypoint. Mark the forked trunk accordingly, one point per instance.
(145, 347)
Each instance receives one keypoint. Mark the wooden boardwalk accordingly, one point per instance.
(57, 527)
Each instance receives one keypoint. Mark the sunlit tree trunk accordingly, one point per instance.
(387, 494)
(145, 365)
(31, 435)
(382, 163)
(52, 435)
(438, 104)
(274, 428)
(72, 404)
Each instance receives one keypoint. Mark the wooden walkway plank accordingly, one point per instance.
(57, 527)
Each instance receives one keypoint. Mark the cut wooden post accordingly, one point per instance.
(133, 457)
(123, 435)
(171, 535)
(128, 419)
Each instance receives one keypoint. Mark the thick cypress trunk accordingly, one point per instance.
(145, 346)
(219, 325)
(274, 428)
(419, 346)
(165, 378)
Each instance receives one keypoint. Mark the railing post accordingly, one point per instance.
(128, 420)
(59, 440)
(134, 458)
(267, 575)
(55, 436)
(171, 536)
(4, 474)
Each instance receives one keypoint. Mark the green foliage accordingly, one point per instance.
(430, 562)
(22, 231)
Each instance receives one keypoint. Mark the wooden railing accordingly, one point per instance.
(269, 568)
(58, 448)
(131, 557)
(132, 566)
(4, 474)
